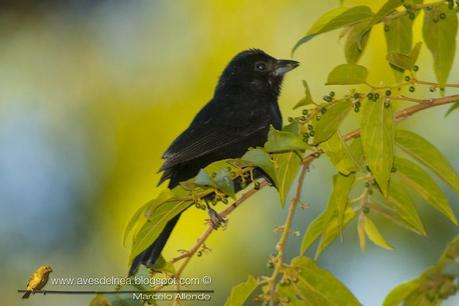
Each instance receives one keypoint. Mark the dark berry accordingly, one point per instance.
(376, 96)
(415, 68)
(303, 118)
(386, 28)
(370, 96)
(366, 210)
(393, 169)
(357, 104)
(310, 127)
(356, 95)
(316, 154)
(290, 119)
(411, 15)
(318, 117)
(305, 112)
(306, 135)
(407, 78)
(331, 94)
(432, 89)
(311, 133)
(388, 92)
(436, 20)
(356, 109)
(442, 16)
(323, 110)
(412, 89)
(386, 104)
(256, 185)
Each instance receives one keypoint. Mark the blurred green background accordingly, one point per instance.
(92, 93)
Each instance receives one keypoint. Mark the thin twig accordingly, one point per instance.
(200, 241)
(280, 247)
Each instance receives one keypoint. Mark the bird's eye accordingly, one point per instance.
(260, 66)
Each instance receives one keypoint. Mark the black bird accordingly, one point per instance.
(244, 105)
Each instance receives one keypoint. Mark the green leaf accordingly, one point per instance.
(347, 74)
(153, 227)
(374, 235)
(164, 195)
(224, 181)
(240, 293)
(286, 166)
(400, 293)
(440, 37)
(335, 19)
(339, 154)
(402, 203)
(314, 230)
(161, 265)
(203, 179)
(399, 35)
(283, 141)
(357, 41)
(319, 284)
(403, 61)
(386, 9)
(331, 120)
(424, 185)
(262, 160)
(377, 133)
(100, 300)
(452, 108)
(399, 38)
(332, 230)
(422, 150)
(307, 97)
(342, 185)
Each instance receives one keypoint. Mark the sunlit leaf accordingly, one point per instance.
(314, 230)
(402, 203)
(357, 41)
(153, 227)
(429, 155)
(339, 154)
(241, 292)
(331, 120)
(398, 33)
(307, 97)
(286, 166)
(162, 265)
(377, 133)
(335, 19)
(262, 160)
(374, 235)
(319, 284)
(347, 74)
(283, 141)
(440, 36)
(424, 185)
(388, 7)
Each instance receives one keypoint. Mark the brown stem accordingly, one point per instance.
(280, 247)
(200, 241)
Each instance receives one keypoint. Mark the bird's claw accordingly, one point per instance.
(215, 220)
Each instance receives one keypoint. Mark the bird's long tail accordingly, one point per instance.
(151, 254)
(27, 294)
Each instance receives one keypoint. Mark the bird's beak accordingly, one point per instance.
(284, 66)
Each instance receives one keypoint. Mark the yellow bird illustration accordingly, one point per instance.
(38, 280)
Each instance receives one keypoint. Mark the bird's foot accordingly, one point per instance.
(215, 220)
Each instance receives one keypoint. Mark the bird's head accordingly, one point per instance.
(256, 71)
(45, 269)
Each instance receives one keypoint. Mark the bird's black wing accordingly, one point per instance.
(202, 140)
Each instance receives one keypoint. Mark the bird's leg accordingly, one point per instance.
(215, 220)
